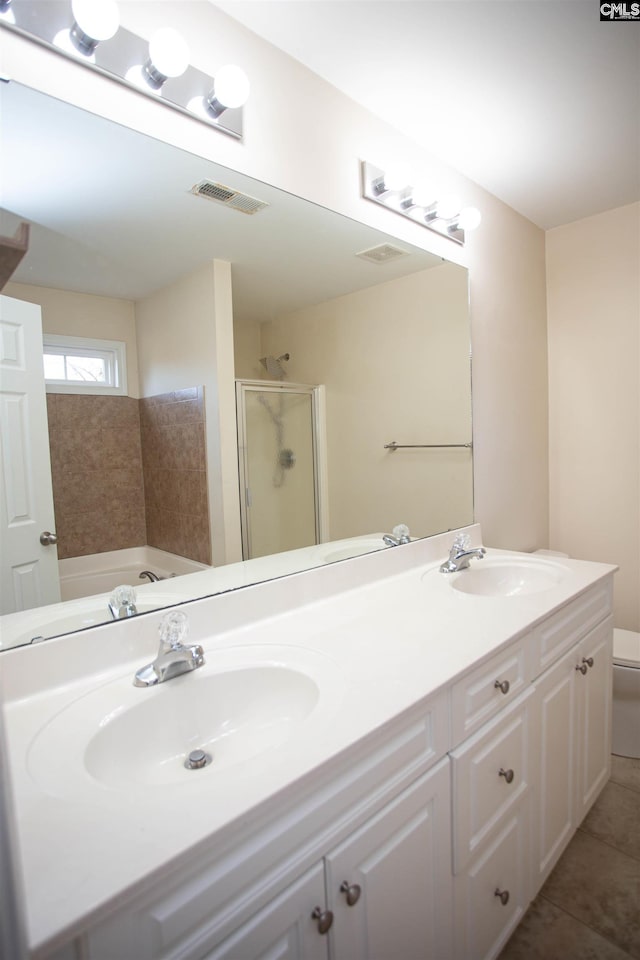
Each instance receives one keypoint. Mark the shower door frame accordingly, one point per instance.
(319, 447)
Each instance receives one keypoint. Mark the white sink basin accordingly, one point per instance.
(506, 577)
(242, 703)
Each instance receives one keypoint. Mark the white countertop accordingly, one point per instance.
(388, 631)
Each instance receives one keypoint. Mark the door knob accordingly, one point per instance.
(351, 891)
(324, 918)
(502, 686)
(507, 774)
(47, 539)
(503, 896)
(588, 661)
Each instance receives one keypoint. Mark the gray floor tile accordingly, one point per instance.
(626, 771)
(599, 886)
(548, 933)
(615, 818)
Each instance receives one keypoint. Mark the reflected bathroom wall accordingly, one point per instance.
(96, 472)
(395, 362)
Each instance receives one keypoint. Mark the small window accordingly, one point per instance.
(84, 365)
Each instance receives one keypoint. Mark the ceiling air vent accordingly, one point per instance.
(383, 253)
(228, 197)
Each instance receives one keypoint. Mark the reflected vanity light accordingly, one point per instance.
(89, 32)
(423, 203)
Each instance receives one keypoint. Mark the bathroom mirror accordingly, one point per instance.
(382, 326)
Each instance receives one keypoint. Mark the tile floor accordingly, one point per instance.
(589, 908)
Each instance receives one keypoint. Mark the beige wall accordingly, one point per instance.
(85, 315)
(394, 359)
(304, 136)
(185, 339)
(594, 396)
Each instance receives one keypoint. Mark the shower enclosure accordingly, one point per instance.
(282, 469)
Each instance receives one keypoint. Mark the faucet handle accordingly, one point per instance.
(122, 596)
(401, 533)
(173, 629)
(462, 541)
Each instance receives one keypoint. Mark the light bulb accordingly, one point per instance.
(423, 194)
(94, 21)
(448, 207)
(168, 56)
(469, 218)
(397, 176)
(231, 86)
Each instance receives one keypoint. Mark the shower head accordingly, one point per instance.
(273, 365)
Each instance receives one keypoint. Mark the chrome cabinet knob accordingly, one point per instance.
(582, 667)
(351, 891)
(48, 539)
(324, 918)
(588, 661)
(507, 774)
(502, 686)
(503, 896)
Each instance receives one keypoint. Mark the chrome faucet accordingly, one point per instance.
(400, 535)
(460, 554)
(152, 577)
(174, 656)
(122, 602)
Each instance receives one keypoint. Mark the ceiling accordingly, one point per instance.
(536, 100)
(112, 213)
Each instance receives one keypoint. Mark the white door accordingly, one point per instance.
(389, 884)
(28, 570)
(284, 930)
(594, 725)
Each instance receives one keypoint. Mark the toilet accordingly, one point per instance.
(626, 693)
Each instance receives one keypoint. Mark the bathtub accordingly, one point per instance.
(103, 572)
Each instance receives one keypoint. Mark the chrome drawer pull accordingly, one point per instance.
(324, 918)
(582, 667)
(502, 686)
(588, 661)
(351, 891)
(503, 894)
(507, 774)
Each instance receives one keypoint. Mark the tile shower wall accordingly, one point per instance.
(175, 478)
(129, 472)
(96, 467)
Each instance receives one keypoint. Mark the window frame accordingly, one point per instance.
(113, 351)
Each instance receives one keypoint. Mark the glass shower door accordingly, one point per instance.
(276, 442)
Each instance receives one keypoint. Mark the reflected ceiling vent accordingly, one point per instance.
(228, 197)
(383, 253)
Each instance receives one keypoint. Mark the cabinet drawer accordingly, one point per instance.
(491, 687)
(559, 632)
(491, 774)
(493, 895)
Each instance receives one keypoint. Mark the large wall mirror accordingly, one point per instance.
(274, 351)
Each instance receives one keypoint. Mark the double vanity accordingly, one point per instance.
(375, 759)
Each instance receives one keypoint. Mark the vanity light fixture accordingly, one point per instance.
(393, 188)
(88, 31)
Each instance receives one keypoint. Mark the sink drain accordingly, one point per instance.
(198, 759)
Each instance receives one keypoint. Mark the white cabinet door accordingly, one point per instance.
(389, 885)
(556, 748)
(284, 929)
(29, 570)
(594, 722)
